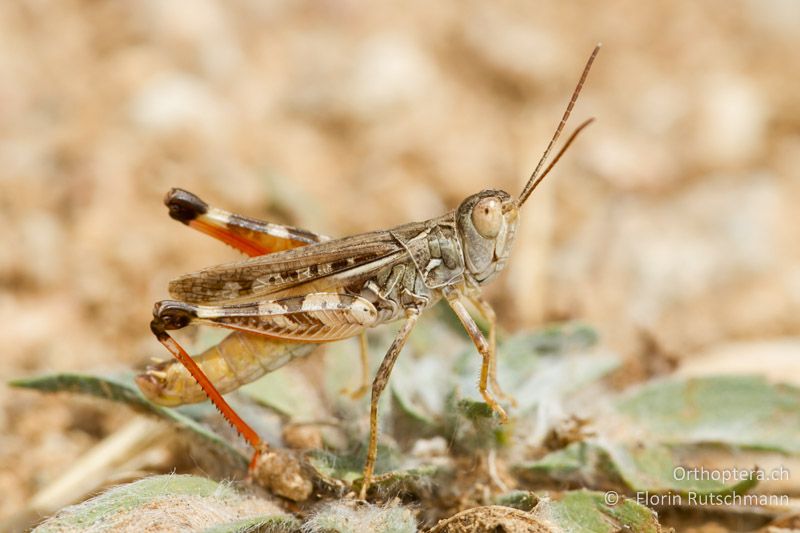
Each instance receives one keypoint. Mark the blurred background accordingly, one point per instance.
(671, 225)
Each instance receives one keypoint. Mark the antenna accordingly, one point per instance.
(536, 178)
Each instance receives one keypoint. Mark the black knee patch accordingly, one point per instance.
(184, 206)
(170, 314)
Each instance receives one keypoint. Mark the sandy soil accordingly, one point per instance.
(671, 225)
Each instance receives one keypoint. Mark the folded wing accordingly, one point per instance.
(314, 268)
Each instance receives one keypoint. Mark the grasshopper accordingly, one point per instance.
(299, 289)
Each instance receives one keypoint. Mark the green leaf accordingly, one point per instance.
(119, 389)
(349, 467)
(472, 425)
(170, 503)
(419, 389)
(408, 420)
(342, 371)
(640, 469)
(417, 481)
(745, 411)
(575, 464)
(523, 500)
(653, 469)
(123, 390)
(288, 392)
(676, 419)
(342, 468)
(541, 366)
(437, 394)
(584, 511)
(557, 339)
(569, 512)
(346, 470)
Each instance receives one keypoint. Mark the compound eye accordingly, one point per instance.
(487, 217)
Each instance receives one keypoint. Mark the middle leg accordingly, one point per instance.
(381, 379)
(363, 353)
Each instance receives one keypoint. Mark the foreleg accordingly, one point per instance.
(454, 299)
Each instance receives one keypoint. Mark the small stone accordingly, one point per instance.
(302, 437)
(282, 473)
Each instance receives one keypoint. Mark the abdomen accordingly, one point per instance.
(238, 359)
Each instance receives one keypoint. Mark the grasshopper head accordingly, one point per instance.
(486, 224)
(487, 221)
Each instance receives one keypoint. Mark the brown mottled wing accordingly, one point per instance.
(322, 267)
(315, 317)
